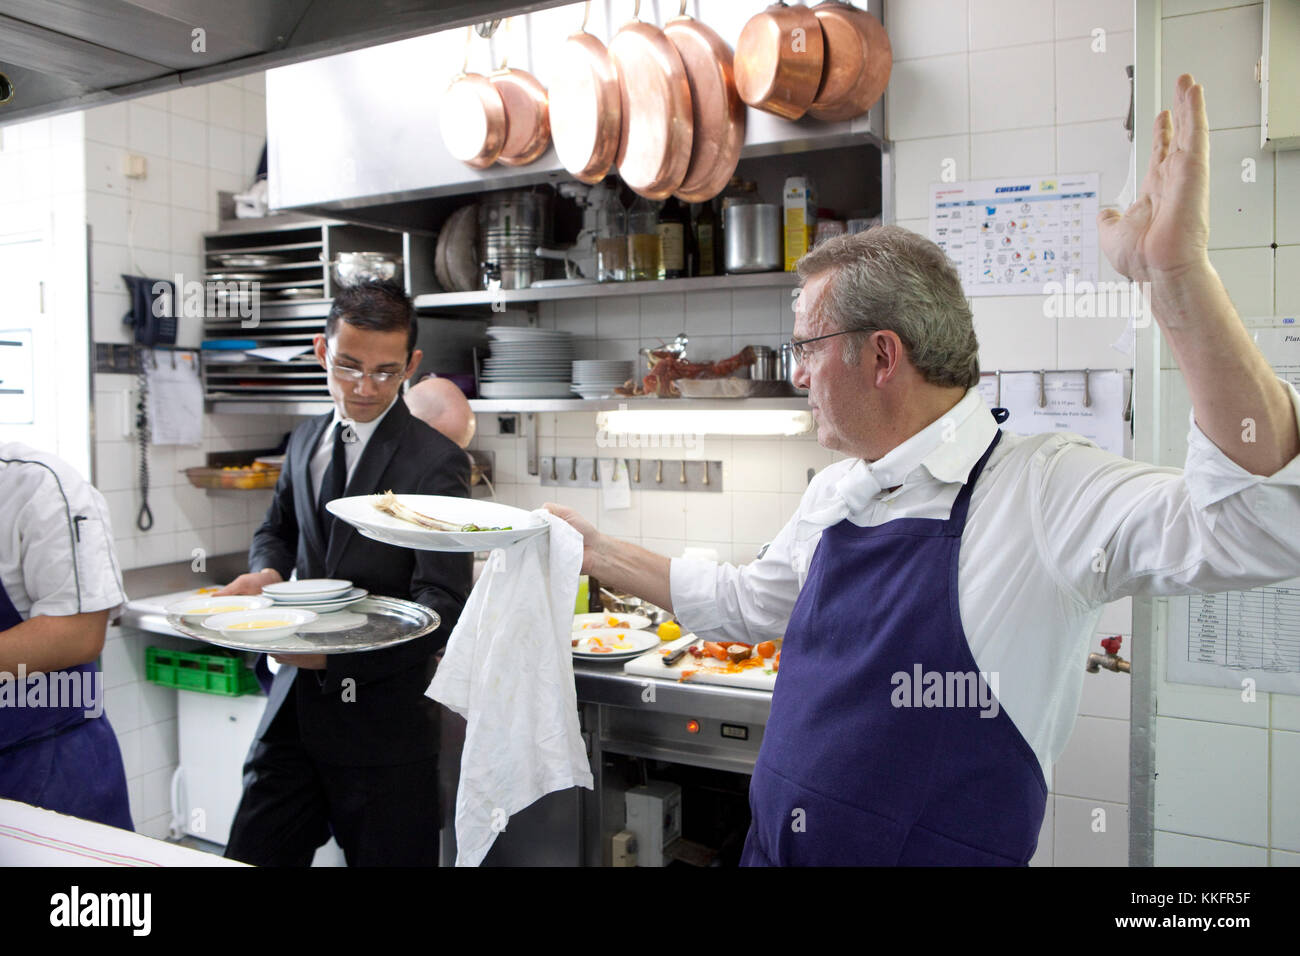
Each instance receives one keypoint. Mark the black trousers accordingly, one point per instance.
(380, 816)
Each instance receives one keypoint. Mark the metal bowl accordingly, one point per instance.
(351, 268)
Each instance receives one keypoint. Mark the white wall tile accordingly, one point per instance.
(1004, 23)
(1240, 211)
(618, 318)
(147, 129)
(104, 169)
(1285, 712)
(1107, 694)
(1093, 85)
(756, 517)
(1074, 19)
(1286, 291)
(190, 102)
(920, 162)
(1012, 91)
(254, 114)
(708, 522)
(755, 465)
(663, 513)
(225, 151)
(928, 97)
(107, 216)
(189, 186)
(1094, 765)
(1287, 171)
(919, 28)
(1212, 780)
(1078, 839)
(1020, 152)
(107, 124)
(1219, 48)
(1220, 704)
(1013, 333)
(155, 792)
(1284, 793)
(1179, 849)
(1247, 274)
(1090, 342)
(1283, 858)
(189, 141)
(226, 105)
(1100, 147)
(1178, 8)
(708, 313)
(158, 747)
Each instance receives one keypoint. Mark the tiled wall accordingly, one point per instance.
(1228, 771)
(195, 142)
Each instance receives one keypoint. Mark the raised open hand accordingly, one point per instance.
(1167, 229)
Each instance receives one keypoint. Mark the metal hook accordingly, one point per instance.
(682, 479)
(595, 474)
(636, 10)
(659, 471)
(1087, 393)
(573, 468)
(682, 11)
(553, 478)
(638, 471)
(706, 474)
(1042, 389)
(586, 12)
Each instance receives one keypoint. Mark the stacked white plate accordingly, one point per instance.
(316, 594)
(597, 378)
(527, 363)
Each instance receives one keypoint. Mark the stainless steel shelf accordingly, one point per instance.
(757, 280)
(264, 405)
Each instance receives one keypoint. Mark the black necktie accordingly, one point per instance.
(333, 482)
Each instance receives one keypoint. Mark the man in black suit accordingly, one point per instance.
(349, 742)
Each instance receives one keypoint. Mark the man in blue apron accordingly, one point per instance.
(938, 587)
(59, 582)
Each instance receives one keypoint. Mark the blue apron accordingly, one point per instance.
(848, 775)
(56, 757)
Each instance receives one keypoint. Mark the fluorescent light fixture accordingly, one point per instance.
(690, 422)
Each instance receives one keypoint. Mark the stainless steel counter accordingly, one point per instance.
(169, 578)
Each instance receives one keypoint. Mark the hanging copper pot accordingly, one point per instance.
(718, 113)
(858, 59)
(472, 117)
(779, 60)
(654, 147)
(528, 117)
(586, 114)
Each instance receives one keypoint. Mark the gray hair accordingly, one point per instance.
(891, 279)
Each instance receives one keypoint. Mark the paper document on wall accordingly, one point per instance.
(615, 491)
(989, 389)
(1225, 639)
(175, 397)
(1101, 420)
(1014, 236)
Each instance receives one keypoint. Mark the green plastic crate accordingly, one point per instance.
(221, 673)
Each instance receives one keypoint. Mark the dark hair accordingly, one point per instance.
(380, 306)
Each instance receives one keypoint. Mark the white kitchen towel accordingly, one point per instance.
(508, 670)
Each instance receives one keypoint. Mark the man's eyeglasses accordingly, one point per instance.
(799, 349)
(346, 373)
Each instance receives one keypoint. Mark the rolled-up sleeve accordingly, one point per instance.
(1114, 527)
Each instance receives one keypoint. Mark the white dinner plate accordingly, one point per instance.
(322, 606)
(589, 623)
(361, 513)
(525, 390)
(621, 644)
(311, 589)
(197, 608)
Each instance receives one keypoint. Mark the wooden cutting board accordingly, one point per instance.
(690, 670)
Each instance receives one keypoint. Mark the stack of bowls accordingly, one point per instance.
(527, 363)
(597, 378)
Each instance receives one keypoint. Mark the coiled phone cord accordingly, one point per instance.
(144, 520)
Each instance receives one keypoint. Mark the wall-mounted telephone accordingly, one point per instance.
(153, 310)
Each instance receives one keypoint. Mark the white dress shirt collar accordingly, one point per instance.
(947, 448)
(363, 429)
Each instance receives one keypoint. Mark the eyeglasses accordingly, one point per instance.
(798, 347)
(345, 373)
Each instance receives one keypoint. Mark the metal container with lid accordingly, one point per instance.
(511, 227)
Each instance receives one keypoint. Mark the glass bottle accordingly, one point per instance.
(708, 241)
(674, 227)
(611, 242)
(644, 251)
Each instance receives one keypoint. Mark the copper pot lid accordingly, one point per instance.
(654, 148)
(528, 121)
(718, 113)
(858, 60)
(586, 112)
(778, 60)
(472, 117)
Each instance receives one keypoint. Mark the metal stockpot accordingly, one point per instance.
(752, 234)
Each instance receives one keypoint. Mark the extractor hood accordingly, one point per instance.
(62, 55)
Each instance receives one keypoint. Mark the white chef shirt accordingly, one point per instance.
(320, 459)
(1056, 528)
(56, 543)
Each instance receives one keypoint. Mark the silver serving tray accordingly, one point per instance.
(388, 621)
